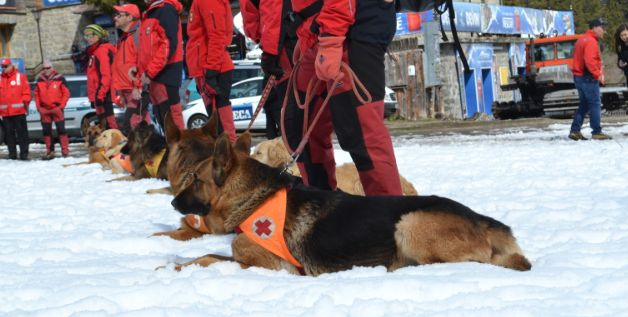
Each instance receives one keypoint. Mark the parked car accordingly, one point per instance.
(390, 103)
(245, 96)
(78, 112)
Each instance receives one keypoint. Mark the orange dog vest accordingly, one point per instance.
(124, 161)
(265, 227)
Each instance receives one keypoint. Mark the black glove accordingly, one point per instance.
(270, 65)
(91, 104)
(211, 80)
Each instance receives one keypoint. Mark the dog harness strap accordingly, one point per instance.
(124, 161)
(265, 226)
(152, 166)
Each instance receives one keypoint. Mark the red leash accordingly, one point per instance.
(265, 93)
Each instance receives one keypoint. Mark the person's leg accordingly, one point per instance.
(316, 163)
(9, 125)
(595, 106)
(109, 115)
(46, 128)
(22, 135)
(583, 107)
(63, 136)
(360, 127)
(223, 105)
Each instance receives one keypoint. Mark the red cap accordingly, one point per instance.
(6, 61)
(129, 8)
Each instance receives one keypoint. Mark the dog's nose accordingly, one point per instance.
(175, 203)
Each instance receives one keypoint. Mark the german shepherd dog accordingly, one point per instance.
(148, 152)
(327, 231)
(187, 148)
(90, 134)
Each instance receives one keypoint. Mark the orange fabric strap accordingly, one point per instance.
(265, 226)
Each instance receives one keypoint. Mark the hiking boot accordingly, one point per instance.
(48, 156)
(601, 136)
(576, 136)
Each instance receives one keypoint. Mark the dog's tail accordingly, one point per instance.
(505, 250)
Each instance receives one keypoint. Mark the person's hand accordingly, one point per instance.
(136, 94)
(211, 80)
(57, 111)
(602, 80)
(621, 64)
(145, 79)
(92, 105)
(329, 57)
(132, 73)
(270, 65)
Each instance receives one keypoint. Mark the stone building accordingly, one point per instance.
(35, 30)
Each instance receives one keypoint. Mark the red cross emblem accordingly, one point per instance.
(264, 227)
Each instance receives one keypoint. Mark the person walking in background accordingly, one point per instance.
(358, 36)
(621, 48)
(15, 95)
(265, 23)
(100, 53)
(126, 87)
(78, 58)
(588, 75)
(51, 97)
(160, 58)
(210, 28)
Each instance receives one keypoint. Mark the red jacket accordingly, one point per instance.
(210, 29)
(586, 56)
(99, 70)
(51, 92)
(124, 59)
(15, 93)
(263, 22)
(335, 18)
(161, 50)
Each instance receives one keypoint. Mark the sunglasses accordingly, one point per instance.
(46, 68)
(120, 14)
(5, 66)
(88, 35)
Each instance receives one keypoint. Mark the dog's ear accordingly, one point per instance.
(211, 127)
(223, 159)
(116, 138)
(243, 143)
(172, 131)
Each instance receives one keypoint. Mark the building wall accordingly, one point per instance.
(59, 27)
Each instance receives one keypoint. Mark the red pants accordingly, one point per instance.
(359, 127)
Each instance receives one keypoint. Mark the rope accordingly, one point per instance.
(358, 88)
(265, 93)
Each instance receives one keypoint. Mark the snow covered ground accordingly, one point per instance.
(72, 244)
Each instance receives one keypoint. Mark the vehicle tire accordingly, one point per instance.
(87, 122)
(197, 121)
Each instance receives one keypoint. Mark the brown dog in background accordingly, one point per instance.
(329, 231)
(274, 153)
(95, 155)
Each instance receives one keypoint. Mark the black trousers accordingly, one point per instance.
(16, 134)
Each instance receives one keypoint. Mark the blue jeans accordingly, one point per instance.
(589, 93)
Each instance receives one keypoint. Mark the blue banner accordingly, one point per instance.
(468, 17)
(54, 3)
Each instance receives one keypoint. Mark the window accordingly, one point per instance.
(6, 30)
(565, 49)
(247, 89)
(78, 88)
(544, 52)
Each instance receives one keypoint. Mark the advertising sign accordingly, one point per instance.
(54, 3)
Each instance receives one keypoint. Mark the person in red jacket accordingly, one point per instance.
(15, 95)
(51, 97)
(356, 33)
(210, 28)
(588, 74)
(125, 86)
(160, 58)
(265, 23)
(100, 53)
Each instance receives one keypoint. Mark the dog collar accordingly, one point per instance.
(265, 227)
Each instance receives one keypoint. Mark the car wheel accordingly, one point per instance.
(197, 121)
